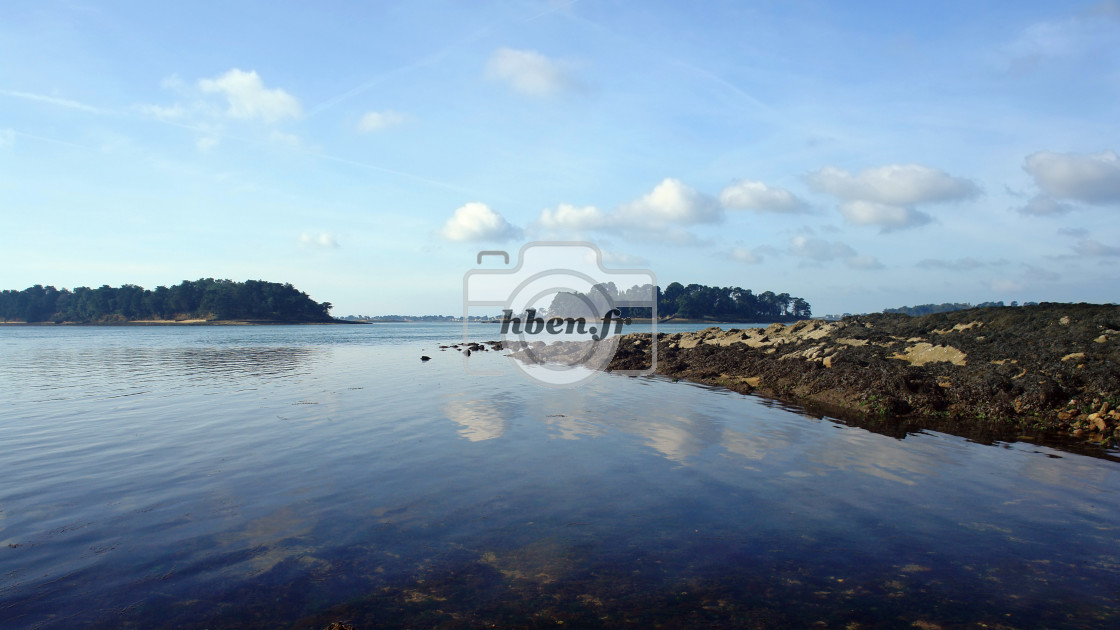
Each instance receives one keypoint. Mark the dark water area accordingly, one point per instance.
(274, 477)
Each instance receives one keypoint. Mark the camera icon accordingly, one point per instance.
(562, 311)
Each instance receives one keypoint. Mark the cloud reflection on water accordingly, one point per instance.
(479, 420)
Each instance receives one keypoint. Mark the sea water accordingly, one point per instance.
(292, 476)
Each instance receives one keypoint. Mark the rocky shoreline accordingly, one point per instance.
(1047, 372)
(1048, 369)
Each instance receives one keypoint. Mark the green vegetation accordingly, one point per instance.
(730, 303)
(695, 301)
(206, 298)
(947, 307)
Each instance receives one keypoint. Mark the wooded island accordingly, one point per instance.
(205, 299)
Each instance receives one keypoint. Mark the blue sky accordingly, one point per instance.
(860, 155)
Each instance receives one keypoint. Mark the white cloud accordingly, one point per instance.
(894, 184)
(960, 264)
(378, 121)
(1092, 178)
(209, 135)
(248, 98)
(1036, 274)
(174, 83)
(744, 255)
(1030, 277)
(752, 195)
(1006, 286)
(1090, 248)
(819, 249)
(54, 100)
(321, 240)
(1071, 38)
(172, 112)
(886, 216)
(658, 216)
(477, 222)
(669, 235)
(1042, 206)
(863, 261)
(206, 143)
(530, 72)
(622, 259)
(575, 218)
(287, 139)
(671, 202)
(883, 195)
(1045, 39)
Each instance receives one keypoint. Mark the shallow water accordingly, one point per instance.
(294, 476)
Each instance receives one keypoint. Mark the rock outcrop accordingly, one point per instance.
(1046, 369)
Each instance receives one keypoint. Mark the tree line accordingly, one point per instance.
(947, 307)
(698, 301)
(205, 298)
(694, 301)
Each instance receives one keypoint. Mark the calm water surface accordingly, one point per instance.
(292, 476)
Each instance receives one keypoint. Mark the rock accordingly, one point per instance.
(937, 366)
(958, 328)
(924, 353)
(467, 353)
(1098, 422)
(425, 357)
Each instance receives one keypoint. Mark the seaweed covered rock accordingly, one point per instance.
(1045, 368)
